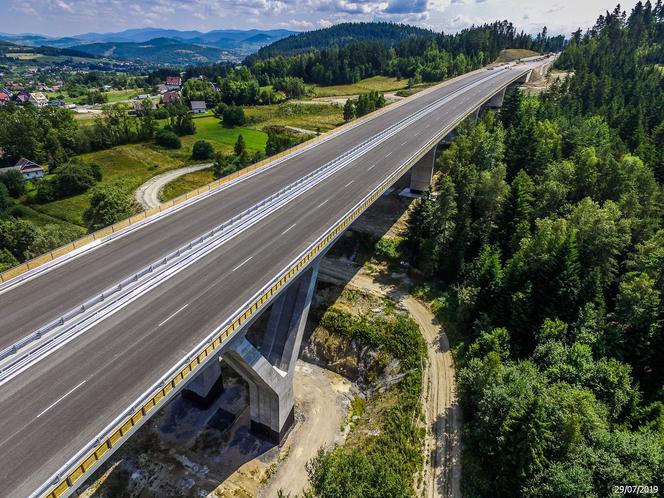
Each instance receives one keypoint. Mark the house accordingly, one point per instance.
(170, 97)
(4, 98)
(7, 92)
(143, 96)
(173, 82)
(27, 168)
(22, 97)
(38, 99)
(198, 107)
(106, 88)
(56, 103)
(162, 89)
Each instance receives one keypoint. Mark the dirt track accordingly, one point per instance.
(443, 414)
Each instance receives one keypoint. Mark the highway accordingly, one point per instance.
(58, 405)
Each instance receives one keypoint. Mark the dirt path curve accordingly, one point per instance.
(147, 194)
(442, 410)
(443, 413)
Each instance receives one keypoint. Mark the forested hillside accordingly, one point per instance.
(389, 49)
(545, 242)
(340, 35)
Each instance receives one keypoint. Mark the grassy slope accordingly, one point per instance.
(187, 183)
(127, 165)
(307, 116)
(380, 83)
(512, 54)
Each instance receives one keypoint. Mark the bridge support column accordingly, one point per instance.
(421, 174)
(206, 386)
(525, 78)
(449, 138)
(497, 99)
(266, 359)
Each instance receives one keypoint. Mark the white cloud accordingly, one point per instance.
(61, 17)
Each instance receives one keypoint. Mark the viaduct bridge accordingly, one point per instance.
(96, 337)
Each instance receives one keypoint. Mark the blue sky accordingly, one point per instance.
(68, 17)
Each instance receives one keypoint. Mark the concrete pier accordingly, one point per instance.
(266, 354)
(421, 173)
(497, 100)
(206, 386)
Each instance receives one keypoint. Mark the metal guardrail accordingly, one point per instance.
(93, 454)
(121, 226)
(185, 249)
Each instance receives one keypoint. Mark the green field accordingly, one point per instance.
(209, 128)
(187, 183)
(24, 56)
(113, 96)
(119, 95)
(379, 83)
(308, 116)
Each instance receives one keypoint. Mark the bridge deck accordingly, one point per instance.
(55, 407)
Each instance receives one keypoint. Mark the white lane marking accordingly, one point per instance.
(322, 203)
(389, 154)
(404, 143)
(171, 316)
(288, 229)
(61, 398)
(238, 266)
(371, 167)
(349, 183)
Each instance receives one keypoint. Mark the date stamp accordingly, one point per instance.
(638, 489)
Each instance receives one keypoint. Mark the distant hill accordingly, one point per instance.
(161, 46)
(9, 48)
(340, 35)
(158, 51)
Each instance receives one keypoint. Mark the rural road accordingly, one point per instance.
(147, 194)
(442, 411)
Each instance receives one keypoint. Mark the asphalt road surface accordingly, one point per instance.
(58, 405)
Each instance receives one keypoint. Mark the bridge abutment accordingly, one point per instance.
(265, 356)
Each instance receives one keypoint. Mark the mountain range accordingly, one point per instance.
(160, 46)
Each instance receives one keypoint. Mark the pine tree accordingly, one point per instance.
(240, 146)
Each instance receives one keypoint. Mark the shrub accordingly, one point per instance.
(46, 192)
(167, 139)
(108, 204)
(5, 200)
(202, 150)
(75, 178)
(233, 116)
(14, 182)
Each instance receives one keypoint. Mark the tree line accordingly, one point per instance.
(545, 238)
(423, 56)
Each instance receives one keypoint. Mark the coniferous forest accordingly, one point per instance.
(347, 53)
(544, 240)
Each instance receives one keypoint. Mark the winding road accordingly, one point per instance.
(147, 195)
